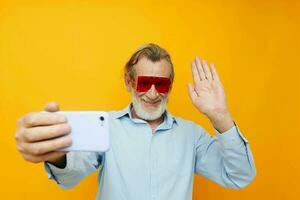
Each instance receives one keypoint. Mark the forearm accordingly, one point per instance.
(227, 159)
(78, 165)
(238, 163)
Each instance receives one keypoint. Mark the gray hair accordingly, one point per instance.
(152, 52)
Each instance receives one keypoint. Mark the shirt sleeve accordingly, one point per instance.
(79, 165)
(226, 159)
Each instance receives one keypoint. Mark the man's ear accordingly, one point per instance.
(128, 82)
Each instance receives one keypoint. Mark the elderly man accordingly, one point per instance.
(153, 154)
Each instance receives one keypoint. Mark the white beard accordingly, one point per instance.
(145, 114)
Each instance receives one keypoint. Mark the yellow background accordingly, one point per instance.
(73, 52)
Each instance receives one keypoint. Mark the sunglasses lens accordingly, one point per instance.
(144, 83)
(162, 85)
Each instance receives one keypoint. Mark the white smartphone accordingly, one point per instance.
(89, 130)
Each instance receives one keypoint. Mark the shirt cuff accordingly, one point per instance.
(54, 172)
(231, 138)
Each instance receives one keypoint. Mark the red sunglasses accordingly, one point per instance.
(144, 83)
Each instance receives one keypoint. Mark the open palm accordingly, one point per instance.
(207, 93)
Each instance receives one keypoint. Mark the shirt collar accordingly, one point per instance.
(169, 118)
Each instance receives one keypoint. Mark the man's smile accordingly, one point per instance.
(151, 103)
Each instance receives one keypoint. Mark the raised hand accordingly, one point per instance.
(208, 96)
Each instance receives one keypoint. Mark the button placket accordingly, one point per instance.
(153, 167)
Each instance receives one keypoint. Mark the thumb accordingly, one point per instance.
(192, 92)
(52, 107)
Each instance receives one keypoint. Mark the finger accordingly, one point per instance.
(206, 70)
(46, 132)
(45, 157)
(215, 75)
(200, 69)
(52, 107)
(195, 73)
(192, 92)
(42, 119)
(39, 148)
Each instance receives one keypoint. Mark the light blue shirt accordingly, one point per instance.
(141, 165)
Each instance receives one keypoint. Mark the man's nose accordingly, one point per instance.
(152, 92)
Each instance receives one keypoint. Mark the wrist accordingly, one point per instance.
(221, 121)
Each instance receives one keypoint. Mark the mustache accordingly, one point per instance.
(149, 100)
(153, 102)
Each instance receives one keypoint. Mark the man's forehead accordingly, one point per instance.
(150, 68)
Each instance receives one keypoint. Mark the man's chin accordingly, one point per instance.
(149, 111)
(150, 114)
